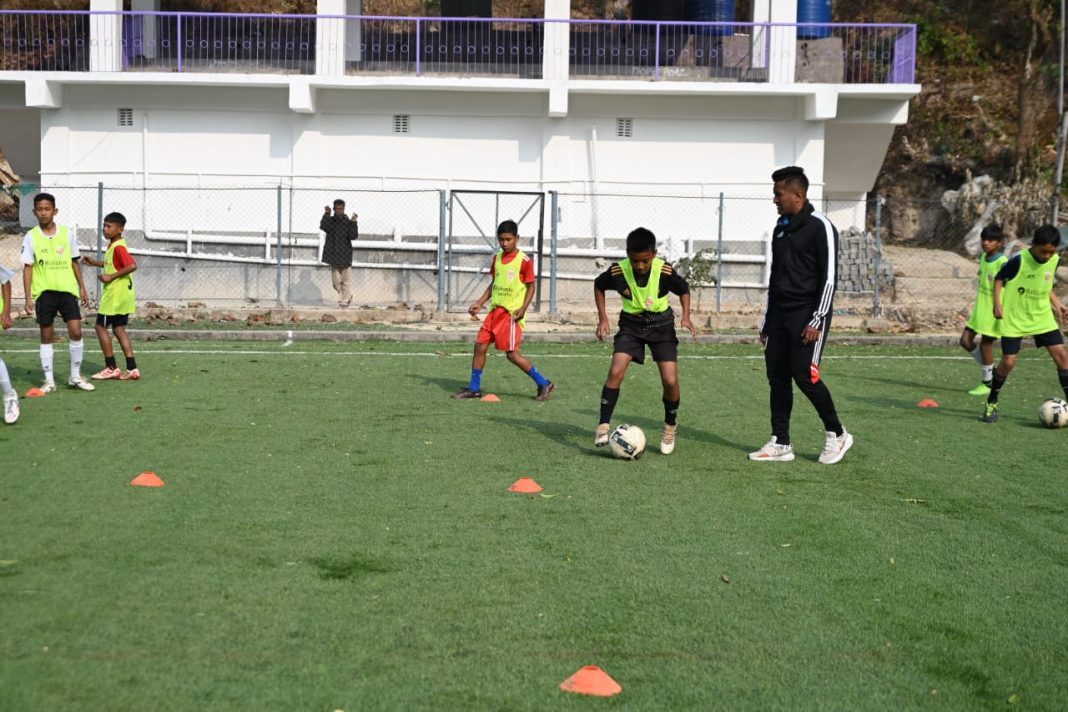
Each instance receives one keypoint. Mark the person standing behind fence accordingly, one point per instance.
(340, 231)
(52, 280)
(118, 303)
(804, 258)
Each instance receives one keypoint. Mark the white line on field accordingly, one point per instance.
(467, 353)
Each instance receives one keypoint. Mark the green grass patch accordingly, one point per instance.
(336, 533)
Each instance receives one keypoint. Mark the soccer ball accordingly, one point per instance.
(1053, 413)
(627, 442)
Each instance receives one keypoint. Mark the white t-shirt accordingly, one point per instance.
(27, 247)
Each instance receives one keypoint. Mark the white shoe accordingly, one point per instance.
(600, 438)
(835, 447)
(667, 439)
(11, 408)
(81, 384)
(48, 387)
(773, 452)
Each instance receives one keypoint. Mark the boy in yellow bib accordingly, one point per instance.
(118, 302)
(52, 280)
(1025, 306)
(511, 288)
(644, 282)
(982, 323)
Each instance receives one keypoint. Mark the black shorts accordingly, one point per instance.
(1010, 345)
(51, 303)
(112, 320)
(662, 343)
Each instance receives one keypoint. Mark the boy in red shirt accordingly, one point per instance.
(118, 302)
(512, 289)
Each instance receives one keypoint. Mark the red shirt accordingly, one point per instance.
(121, 258)
(526, 270)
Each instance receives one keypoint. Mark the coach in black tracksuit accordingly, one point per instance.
(804, 260)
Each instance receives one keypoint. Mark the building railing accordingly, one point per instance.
(360, 45)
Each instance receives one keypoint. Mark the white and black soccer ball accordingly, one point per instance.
(1053, 413)
(627, 442)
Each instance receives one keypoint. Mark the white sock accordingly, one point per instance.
(77, 350)
(977, 355)
(988, 373)
(5, 379)
(46, 363)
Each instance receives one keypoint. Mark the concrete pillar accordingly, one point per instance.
(556, 57)
(782, 55)
(337, 40)
(105, 36)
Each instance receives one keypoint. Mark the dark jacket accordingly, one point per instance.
(804, 266)
(340, 231)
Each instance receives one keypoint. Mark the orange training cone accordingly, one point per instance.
(35, 393)
(147, 479)
(525, 485)
(591, 680)
(927, 403)
(491, 398)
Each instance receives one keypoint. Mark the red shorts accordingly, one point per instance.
(500, 328)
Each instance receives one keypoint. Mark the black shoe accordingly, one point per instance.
(467, 393)
(990, 413)
(545, 391)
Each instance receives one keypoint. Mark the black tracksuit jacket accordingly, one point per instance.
(804, 267)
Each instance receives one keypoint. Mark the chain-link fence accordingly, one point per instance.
(227, 246)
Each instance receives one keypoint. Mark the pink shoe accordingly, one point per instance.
(106, 374)
(131, 375)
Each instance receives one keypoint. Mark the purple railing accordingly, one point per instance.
(503, 47)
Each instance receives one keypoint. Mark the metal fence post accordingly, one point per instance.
(441, 251)
(99, 231)
(719, 257)
(553, 241)
(876, 307)
(278, 252)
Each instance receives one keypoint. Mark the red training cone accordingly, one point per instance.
(526, 485)
(147, 479)
(927, 403)
(35, 393)
(591, 680)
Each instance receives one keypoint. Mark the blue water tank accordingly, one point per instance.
(711, 11)
(813, 11)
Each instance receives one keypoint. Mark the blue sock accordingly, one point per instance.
(538, 378)
(476, 380)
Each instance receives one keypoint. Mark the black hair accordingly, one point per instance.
(339, 201)
(641, 239)
(792, 176)
(44, 196)
(1047, 235)
(508, 226)
(115, 219)
(992, 231)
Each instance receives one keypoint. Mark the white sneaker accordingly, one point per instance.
(773, 452)
(600, 438)
(11, 408)
(48, 387)
(81, 384)
(835, 447)
(667, 439)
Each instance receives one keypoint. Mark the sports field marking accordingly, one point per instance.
(423, 354)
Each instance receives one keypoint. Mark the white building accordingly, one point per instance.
(360, 104)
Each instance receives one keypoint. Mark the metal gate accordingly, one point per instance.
(472, 241)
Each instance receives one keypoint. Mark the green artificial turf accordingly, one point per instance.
(335, 532)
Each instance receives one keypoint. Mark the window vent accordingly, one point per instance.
(400, 123)
(125, 117)
(624, 128)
